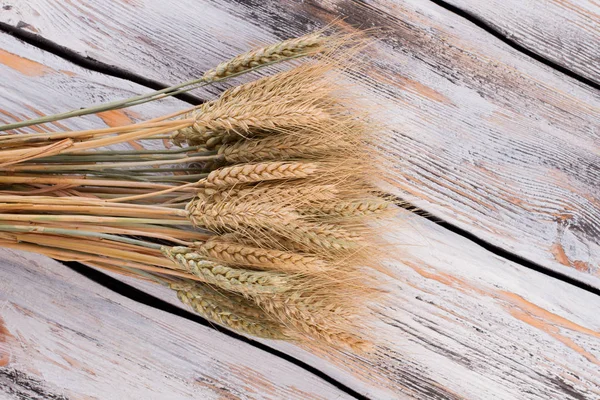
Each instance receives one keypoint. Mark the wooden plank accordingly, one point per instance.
(36, 83)
(462, 323)
(486, 138)
(566, 32)
(62, 337)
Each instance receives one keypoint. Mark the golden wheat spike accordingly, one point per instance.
(260, 172)
(287, 49)
(259, 218)
(280, 147)
(231, 311)
(299, 98)
(348, 208)
(293, 194)
(318, 320)
(229, 252)
(233, 279)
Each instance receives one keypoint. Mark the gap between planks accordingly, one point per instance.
(139, 296)
(90, 63)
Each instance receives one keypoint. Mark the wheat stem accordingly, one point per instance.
(81, 167)
(79, 233)
(31, 138)
(91, 220)
(110, 156)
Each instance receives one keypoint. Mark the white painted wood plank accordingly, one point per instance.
(62, 337)
(36, 83)
(486, 138)
(566, 32)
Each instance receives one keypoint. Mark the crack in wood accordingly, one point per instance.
(494, 249)
(87, 62)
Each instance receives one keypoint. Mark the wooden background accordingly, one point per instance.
(495, 111)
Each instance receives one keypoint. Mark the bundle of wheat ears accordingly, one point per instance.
(263, 218)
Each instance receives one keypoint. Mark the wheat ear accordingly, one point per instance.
(229, 252)
(317, 320)
(232, 279)
(291, 48)
(266, 219)
(348, 208)
(285, 194)
(260, 172)
(299, 98)
(280, 147)
(231, 311)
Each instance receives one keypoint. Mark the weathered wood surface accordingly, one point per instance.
(62, 337)
(486, 138)
(36, 83)
(460, 323)
(566, 32)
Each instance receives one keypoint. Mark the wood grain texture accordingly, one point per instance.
(486, 138)
(62, 337)
(461, 323)
(566, 32)
(36, 83)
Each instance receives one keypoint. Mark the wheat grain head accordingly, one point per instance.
(286, 49)
(227, 278)
(230, 310)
